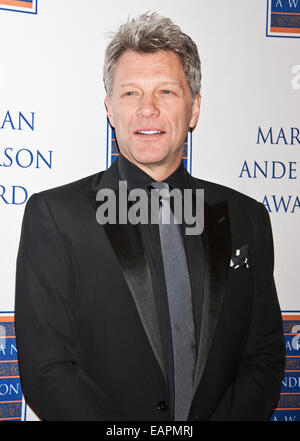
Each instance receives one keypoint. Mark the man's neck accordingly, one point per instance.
(158, 172)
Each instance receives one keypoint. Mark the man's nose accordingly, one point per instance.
(147, 107)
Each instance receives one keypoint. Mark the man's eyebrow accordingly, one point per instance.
(128, 84)
(170, 83)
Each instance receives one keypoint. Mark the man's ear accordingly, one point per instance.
(109, 112)
(195, 111)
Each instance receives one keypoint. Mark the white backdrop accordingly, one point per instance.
(51, 76)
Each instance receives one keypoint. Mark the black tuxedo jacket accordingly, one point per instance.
(87, 331)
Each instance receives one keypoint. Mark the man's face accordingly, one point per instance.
(151, 108)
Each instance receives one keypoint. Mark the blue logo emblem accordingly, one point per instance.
(26, 6)
(288, 408)
(11, 399)
(283, 18)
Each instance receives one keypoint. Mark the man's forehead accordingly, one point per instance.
(164, 64)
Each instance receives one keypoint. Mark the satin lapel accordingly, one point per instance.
(126, 242)
(217, 248)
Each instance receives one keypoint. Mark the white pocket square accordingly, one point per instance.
(241, 258)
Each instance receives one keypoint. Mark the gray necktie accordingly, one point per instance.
(180, 304)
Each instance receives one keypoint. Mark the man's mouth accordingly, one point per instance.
(149, 132)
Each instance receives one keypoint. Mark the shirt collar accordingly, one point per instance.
(137, 178)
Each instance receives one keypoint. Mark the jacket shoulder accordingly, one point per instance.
(245, 213)
(68, 191)
(64, 201)
(71, 187)
(216, 193)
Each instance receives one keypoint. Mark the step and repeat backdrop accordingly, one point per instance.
(53, 130)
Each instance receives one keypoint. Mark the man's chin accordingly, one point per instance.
(149, 161)
(146, 158)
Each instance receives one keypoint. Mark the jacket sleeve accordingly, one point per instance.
(53, 380)
(255, 390)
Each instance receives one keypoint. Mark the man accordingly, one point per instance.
(108, 328)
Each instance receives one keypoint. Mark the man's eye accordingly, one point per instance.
(130, 93)
(166, 92)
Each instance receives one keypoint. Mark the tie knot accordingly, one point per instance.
(160, 185)
(163, 188)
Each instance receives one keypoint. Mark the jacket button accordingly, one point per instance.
(162, 406)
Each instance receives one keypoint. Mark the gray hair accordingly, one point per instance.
(149, 33)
